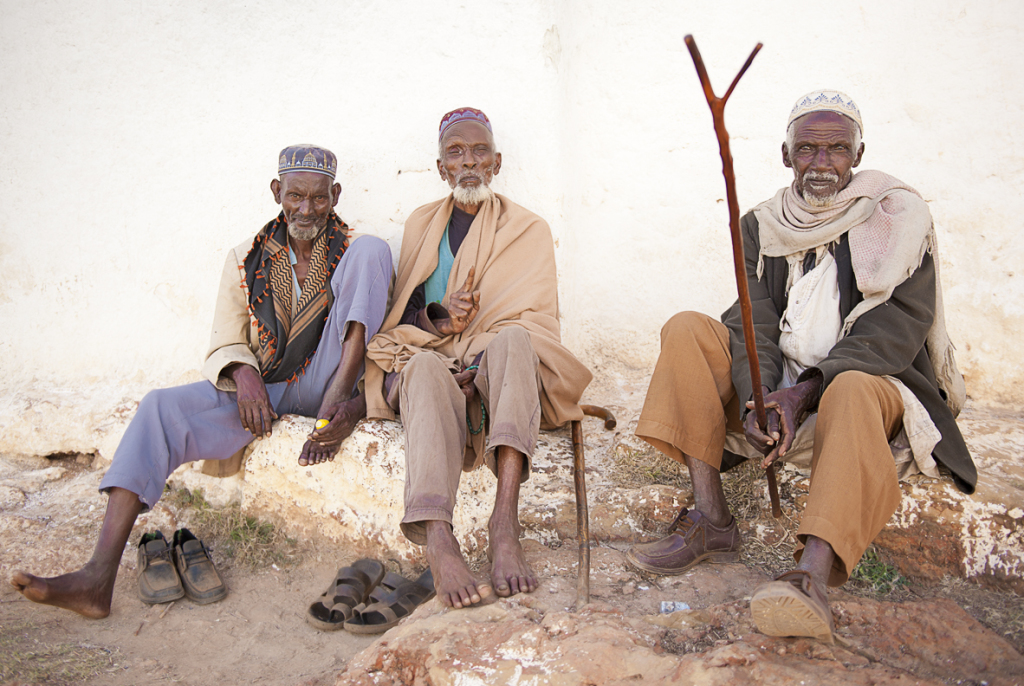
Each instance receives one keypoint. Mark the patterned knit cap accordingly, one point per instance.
(462, 114)
(307, 158)
(826, 101)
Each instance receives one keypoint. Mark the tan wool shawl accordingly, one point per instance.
(890, 230)
(514, 257)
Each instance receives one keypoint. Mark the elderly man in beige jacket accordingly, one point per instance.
(296, 308)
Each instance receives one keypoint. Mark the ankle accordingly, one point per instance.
(504, 525)
(718, 518)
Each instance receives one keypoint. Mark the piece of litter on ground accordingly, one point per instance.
(668, 606)
(275, 567)
(644, 588)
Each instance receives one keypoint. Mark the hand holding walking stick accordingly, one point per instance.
(717, 106)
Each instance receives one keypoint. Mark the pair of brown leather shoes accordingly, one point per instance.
(692, 539)
(184, 568)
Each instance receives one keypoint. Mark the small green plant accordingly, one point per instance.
(875, 573)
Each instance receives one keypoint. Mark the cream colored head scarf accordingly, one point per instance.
(890, 229)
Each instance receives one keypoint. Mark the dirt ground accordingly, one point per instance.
(258, 634)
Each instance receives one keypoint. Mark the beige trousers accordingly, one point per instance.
(433, 410)
(691, 403)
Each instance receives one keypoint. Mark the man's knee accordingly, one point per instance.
(683, 324)
(847, 389)
(425, 367)
(368, 252)
(514, 339)
(371, 248)
(160, 402)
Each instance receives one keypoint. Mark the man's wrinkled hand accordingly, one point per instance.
(466, 379)
(254, 408)
(785, 410)
(463, 306)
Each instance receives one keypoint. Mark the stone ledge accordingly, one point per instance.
(357, 500)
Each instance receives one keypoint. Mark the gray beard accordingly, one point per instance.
(301, 234)
(472, 196)
(819, 200)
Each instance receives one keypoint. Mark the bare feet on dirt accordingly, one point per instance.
(456, 587)
(510, 573)
(80, 592)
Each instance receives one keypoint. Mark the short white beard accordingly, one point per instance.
(472, 196)
(301, 234)
(819, 200)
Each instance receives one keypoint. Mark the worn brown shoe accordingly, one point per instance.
(792, 605)
(692, 539)
(198, 575)
(158, 580)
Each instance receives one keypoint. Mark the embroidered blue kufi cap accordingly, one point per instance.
(307, 158)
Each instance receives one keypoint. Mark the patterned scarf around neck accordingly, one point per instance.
(287, 343)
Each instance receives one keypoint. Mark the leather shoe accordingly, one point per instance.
(792, 605)
(158, 581)
(198, 575)
(692, 539)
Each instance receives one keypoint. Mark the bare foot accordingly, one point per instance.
(453, 581)
(342, 418)
(314, 453)
(84, 591)
(509, 572)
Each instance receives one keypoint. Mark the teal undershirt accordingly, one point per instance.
(436, 284)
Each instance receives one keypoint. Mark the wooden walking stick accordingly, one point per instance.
(579, 477)
(717, 106)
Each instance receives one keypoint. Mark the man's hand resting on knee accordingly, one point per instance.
(254, 408)
(785, 410)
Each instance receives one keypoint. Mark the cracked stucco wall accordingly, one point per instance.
(139, 141)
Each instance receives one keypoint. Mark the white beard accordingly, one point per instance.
(819, 200)
(301, 234)
(472, 196)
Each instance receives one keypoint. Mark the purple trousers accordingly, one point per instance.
(199, 422)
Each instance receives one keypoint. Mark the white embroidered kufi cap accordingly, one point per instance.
(826, 101)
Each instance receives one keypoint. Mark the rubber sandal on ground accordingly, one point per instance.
(378, 617)
(351, 586)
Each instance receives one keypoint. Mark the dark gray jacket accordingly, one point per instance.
(886, 340)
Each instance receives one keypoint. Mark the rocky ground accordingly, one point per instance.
(921, 609)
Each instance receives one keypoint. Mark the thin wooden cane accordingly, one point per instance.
(582, 516)
(717, 106)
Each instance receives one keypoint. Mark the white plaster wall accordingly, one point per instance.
(139, 140)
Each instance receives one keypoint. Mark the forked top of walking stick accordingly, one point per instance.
(702, 73)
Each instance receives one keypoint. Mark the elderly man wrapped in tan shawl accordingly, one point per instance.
(471, 357)
(857, 369)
